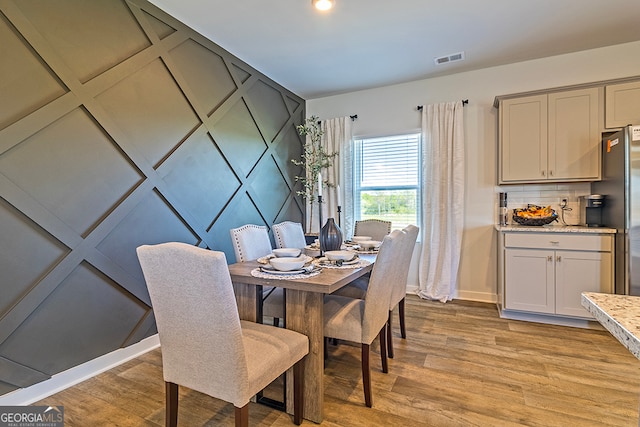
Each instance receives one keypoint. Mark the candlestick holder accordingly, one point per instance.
(339, 211)
(320, 221)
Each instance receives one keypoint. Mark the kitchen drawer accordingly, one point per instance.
(566, 241)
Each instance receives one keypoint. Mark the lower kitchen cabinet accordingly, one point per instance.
(546, 273)
(578, 272)
(529, 280)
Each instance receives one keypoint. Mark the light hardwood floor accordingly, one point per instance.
(461, 365)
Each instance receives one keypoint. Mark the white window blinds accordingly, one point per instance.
(387, 177)
(389, 162)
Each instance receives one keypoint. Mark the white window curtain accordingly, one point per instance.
(336, 138)
(442, 199)
(347, 183)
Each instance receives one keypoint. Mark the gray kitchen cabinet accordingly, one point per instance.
(545, 273)
(622, 104)
(550, 137)
(530, 280)
(523, 139)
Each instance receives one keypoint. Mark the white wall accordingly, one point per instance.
(392, 109)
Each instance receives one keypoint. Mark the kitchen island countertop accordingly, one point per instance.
(619, 314)
(556, 229)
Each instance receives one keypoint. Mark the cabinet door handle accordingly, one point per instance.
(542, 173)
(554, 242)
(549, 258)
(559, 258)
(550, 173)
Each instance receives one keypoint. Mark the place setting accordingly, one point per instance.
(340, 259)
(363, 245)
(286, 263)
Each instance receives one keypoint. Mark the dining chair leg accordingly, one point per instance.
(403, 330)
(366, 376)
(389, 336)
(298, 392)
(171, 410)
(383, 349)
(242, 416)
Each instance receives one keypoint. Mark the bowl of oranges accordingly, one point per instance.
(534, 215)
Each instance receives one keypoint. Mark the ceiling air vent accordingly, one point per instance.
(449, 58)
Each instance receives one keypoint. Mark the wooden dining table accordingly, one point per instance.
(304, 301)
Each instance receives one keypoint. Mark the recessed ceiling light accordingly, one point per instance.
(323, 4)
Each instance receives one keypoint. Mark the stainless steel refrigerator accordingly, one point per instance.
(621, 186)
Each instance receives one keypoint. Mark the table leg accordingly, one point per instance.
(246, 298)
(304, 314)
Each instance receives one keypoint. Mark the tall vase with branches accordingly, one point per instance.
(314, 159)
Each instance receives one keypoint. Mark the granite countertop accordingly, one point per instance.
(619, 314)
(555, 229)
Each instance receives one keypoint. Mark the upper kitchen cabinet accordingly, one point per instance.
(550, 137)
(622, 104)
(574, 135)
(523, 138)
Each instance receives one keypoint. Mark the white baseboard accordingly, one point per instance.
(77, 374)
(477, 296)
(464, 295)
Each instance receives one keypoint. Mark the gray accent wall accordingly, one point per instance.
(120, 126)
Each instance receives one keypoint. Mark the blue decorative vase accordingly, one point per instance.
(330, 237)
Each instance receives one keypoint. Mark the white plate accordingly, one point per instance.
(326, 260)
(274, 271)
(265, 259)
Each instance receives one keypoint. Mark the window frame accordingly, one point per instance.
(358, 189)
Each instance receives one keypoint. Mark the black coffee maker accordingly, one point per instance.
(591, 208)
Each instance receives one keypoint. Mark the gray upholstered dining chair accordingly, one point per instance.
(251, 242)
(399, 292)
(205, 346)
(289, 234)
(358, 288)
(376, 228)
(362, 320)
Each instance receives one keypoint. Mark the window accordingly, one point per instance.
(387, 179)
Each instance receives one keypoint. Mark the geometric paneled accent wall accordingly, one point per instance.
(120, 126)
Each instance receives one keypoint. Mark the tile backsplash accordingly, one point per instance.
(519, 196)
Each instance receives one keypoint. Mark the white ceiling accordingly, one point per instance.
(369, 43)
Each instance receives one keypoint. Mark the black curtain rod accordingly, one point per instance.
(355, 116)
(464, 102)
